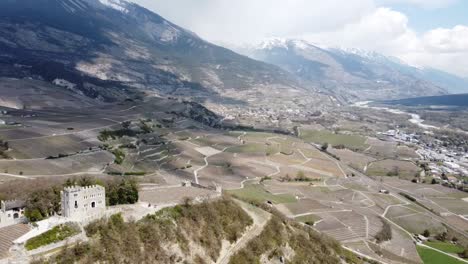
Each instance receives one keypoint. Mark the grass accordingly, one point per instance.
(249, 148)
(446, 247)
(430, 256)
(321, 137)
(56, 234)
(308, 218)
(256, 193)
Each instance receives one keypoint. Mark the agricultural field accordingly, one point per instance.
(93, 162)
(416, 223)
(353, 142)
(258, 194)
(310, 218)
(355, 160)
(162, 196)
(384, 149)
(430, 256)
(388, 167)
(445, 246)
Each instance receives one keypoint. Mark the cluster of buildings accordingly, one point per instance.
(449, 166)
(78, 204)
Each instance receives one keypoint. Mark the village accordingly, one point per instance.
(447, 165)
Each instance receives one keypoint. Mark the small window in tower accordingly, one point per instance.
(93, 204)
(76, 204)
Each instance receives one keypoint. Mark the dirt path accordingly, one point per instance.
(260, 219)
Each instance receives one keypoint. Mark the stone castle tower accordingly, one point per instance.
(83, 203)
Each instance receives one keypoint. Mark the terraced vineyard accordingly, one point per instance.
(8, 235)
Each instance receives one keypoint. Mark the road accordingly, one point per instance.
(260, 219)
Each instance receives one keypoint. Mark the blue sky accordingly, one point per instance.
(424, 19)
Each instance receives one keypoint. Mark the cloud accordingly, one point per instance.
(352, 24)
(447, 40)
(253, 20)
(384, 30)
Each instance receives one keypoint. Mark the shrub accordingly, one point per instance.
(426, 233)
(54, 235)
(324, 147)
(119, 156)
(147, 241)
(385, 234)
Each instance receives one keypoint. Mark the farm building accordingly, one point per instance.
(12, 213)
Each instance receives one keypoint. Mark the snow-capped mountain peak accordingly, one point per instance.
(273, 43)
(287, 44)
(119, 5)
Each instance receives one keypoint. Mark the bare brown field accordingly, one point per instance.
(417, 223)
(453, 205)
(48, 146)
(325, 165)
(304, 206)
(457, 221)
(18, 133)
(353, 159)
(85, 163)
(406, 152)
(399, 211)
(313, 153)
(384, 200)
(172, 195)
(286, 160)
(379, 148)
(405, 169)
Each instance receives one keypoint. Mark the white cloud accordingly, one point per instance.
(447, 40)
(387, 31)
(384, 30)
(352, 23)
(253, 20)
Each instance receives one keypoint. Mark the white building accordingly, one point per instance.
(12, 213)
(83, 204)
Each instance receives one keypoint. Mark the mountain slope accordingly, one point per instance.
(113, 45)
(452, 100)
(349, 74)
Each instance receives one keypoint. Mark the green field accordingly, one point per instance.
(56, 234)
(248, 148)
(308, 218)
(349, 141)
(430, 256)
(256, 193)
(446, 247)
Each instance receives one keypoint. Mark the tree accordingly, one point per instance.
(442, 236)
(126, 124)
(324, 146)
(385, 234)
(124, 192)
(426, 233)
(434, 181)
(33, 215)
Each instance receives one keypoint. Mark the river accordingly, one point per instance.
(415, 118)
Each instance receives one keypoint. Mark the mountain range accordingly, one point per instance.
(109, 50)
(354, 74)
